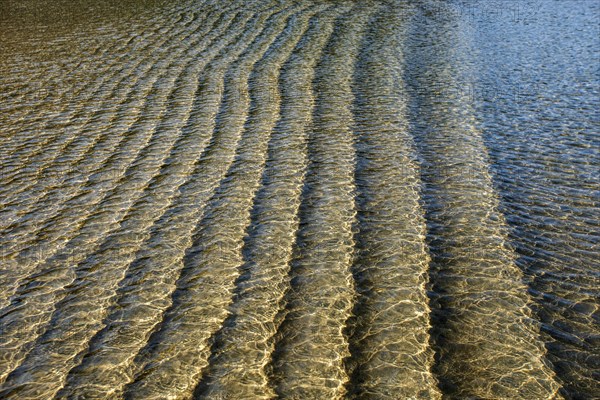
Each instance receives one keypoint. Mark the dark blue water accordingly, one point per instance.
(538, 94)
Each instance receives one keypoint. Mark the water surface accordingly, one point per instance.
(300, 199)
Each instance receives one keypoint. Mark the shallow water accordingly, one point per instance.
(300, 199)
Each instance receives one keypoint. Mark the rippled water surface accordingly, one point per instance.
(300, 199)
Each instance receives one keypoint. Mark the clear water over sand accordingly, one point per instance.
(299, 199)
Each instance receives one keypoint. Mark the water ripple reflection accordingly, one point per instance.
(307, 199)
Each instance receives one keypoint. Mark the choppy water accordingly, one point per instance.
(300, 199)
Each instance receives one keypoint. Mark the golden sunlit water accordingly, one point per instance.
(299, 199)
